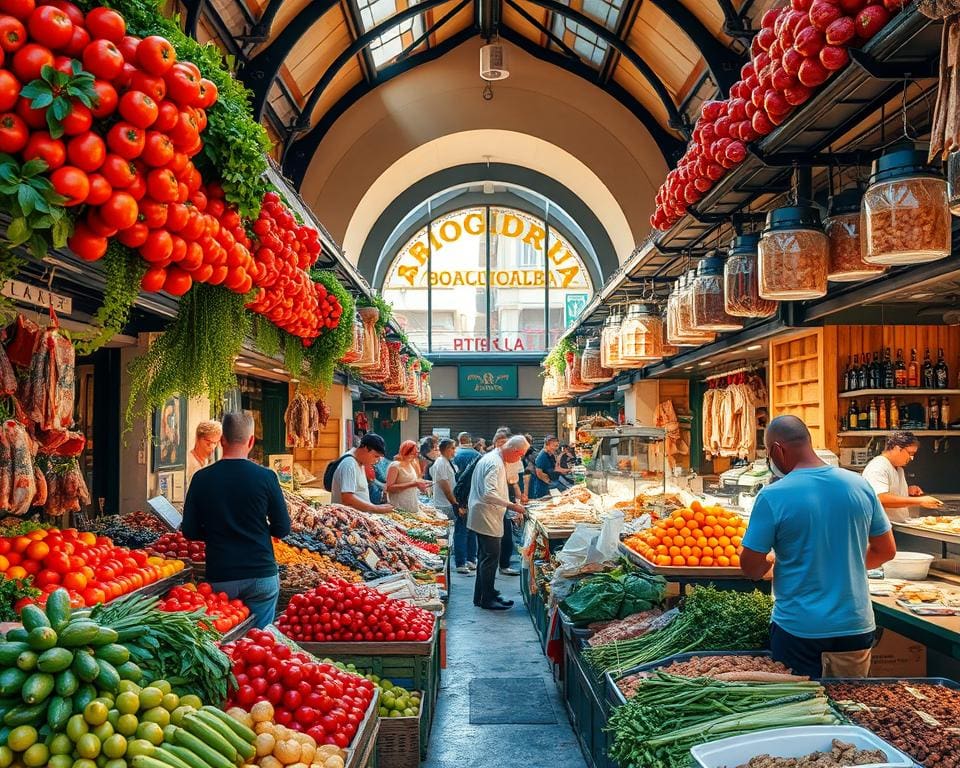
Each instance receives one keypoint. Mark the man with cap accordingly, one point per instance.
(349, 485)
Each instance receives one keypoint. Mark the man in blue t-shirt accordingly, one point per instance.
(545, 469)
(826, 528)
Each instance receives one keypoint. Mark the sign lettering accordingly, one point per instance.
(493, 382)
(38, 297)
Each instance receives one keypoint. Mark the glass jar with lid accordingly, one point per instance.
(355, 352)
(573, 374)
(641, 334)
(592, 370)
(905, 216)
(686, 331)
(371, 344)
(793, 254)
(845, 256)
(610, 342)
(709, 309)
(741, 283)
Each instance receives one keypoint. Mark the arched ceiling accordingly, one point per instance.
(308, 61)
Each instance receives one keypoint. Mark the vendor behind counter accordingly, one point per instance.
(885, 474)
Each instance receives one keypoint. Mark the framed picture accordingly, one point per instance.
(170, 435)
(165, 485)
(282, 464)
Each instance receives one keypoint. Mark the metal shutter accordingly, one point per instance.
(483, 420)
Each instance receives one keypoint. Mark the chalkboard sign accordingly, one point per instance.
(166, 512)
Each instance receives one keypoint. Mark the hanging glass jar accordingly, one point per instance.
(845, 256)
(371, 344)
(592, 370)
(355, 352)
(610, 342)
(905, 216)
(548, 395)
(573, 376)
(741, 283)
(397, 377)
(953, 181)
(668, 349)
(686, 332)
(641, 335)
(381, 373)
(793, 254)
(709, 308)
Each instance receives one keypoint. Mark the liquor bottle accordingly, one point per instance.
(889, 378)
(875, 373)
(900, 371)
(933, 414)
(913, 371)
(853, 415)
(873, 416)
(945, 413)
(941, 374)
(850, 375)
(882, 414)
(894, 415)
(926, 371)
(863, 374)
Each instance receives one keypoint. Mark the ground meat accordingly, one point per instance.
(624, 629)
(840, 754)
(917, 718)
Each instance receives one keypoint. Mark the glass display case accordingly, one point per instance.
(627, 462)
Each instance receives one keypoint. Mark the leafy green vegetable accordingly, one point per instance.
(35, 208)
(613, 595)
(12, 590)
(557, 358)
(56, 91)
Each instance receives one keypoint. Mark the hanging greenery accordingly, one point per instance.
(195, 355)
(293, 353)
(266, 336)
(326, 350)
(557, 359)
(123, 271)
(425, 365)
(11, 262)
(384, 306)
(235, 146)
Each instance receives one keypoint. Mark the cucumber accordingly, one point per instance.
(27, 661)
(58, 712)
(162, 754)
(85, 666)
(6, 704)
(17, 635)
(143, 761)
(42, 638)
(188, 757)
(37, 688)
(9, 651)
(244, 748)
(58, 609)
(105, 636)
(209, 736)
(108, 679)
(234, 725)
(66, 683)
(114, 653)
(84, 695)
(78, 633)
(55, 660)
(130, 671)
(209, 755)
(131, 633)
(11, 681)
(25, 714)
(32, 617)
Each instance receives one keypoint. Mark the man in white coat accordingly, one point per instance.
(489, 497)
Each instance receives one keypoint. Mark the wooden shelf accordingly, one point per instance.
(917, 432)
(904, 392)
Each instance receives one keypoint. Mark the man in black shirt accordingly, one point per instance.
(234, 507)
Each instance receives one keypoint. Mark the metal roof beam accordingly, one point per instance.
(488, 18)
(558, 41)
(260, 72)
(192, 19)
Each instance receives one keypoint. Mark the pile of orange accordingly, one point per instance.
(696, 536)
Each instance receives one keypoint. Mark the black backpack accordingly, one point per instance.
(330, 470)
(461, 490)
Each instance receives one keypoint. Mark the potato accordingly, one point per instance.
(287, 752)
(270, 762)
(241, 716)
(265, 744)
(334, 761)
(262, 711)
(265, 727)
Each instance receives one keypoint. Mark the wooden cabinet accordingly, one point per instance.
(802, 378)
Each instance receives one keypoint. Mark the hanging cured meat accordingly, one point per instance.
(8, 379)
(300, 423)
(22, 483)
(48, 391)
(66, 489)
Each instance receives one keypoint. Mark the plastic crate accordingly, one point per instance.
(586, 707)
(398, 742)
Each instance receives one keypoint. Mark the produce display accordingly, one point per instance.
(710, 620)
(340, 611)
(693, 536)
(840, 754)
(276, 745)
(613, 595)
(657, 726)
(636, 625)
(90, 567)
(305, 569)
(307, 696)
(14, 594)
(395, 701)
(177, 545)
(743, 669)
(134, 530)
(226, 613)
(913, 716)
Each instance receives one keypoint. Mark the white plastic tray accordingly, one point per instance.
(793, 742)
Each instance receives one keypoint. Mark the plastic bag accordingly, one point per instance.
(589, 549)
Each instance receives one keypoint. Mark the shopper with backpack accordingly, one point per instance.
(346, 478)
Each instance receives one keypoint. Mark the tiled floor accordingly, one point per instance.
(483, 647)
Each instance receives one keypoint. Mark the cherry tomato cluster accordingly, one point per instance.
(798, 47)
(286, 295)
(226, 613)
(319, 699)
(337, 610)
(177, 545)
(90, 567)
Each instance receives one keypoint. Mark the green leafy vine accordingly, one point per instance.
(557, 358)
(123, 270)
(327, 349)
(384, 306)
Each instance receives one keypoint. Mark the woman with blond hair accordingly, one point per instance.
(403, 478)
(205, 443)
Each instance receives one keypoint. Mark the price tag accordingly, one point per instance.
(165, 512)
(371, 559)
(554, 493)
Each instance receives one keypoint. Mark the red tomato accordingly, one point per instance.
(153, 213)
(51, 27)
(120, 172)
(79, 41)
(21, 9)
(183, 85)
(72, 183)
(105, 102)
(13, 35)
(86, 244)
(158, 150)
(120, 210)
(156, 55)
(162, 185)
(152, 282)
(51, 150)
(135, 236)
(87, 151)
(100, 188)
(126, 140)
(34, 118)
(158, 247)
(128, 47)
(73, 12)
(9, 90)
(103, 59)
(29, 60)
(138, 109)
(13, 133)
(98, 226)
(78, 120)
(106, 24)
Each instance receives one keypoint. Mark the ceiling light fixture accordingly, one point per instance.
(705, 362)
(243, 364)
(754, 347)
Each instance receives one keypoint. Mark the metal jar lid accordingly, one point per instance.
(847, 201)
(902, 163)
(793, 217)
(745, 245)
(711, 264)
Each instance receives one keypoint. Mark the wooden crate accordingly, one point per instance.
(398, 742)
(802, 376)
(362, 752)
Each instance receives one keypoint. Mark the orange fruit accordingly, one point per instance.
(37, 550)
(723, 541)
(707, 530)
(702, 541)
(730, 530)
(16, 572)
(678, 560)
(735, 561)
(674, 551)
(736, 540)
(712, 542)
(663, 560)
(696, 551)
(711, 520)
(706, 561)
(687, 514)
(661, 549)
(696, 506)
(693, 560)
(699, 516)
(689, 541)
(692, 525)
(729, 550)
(20, 543)
(723, 561)
(686, 551)
(4, 563)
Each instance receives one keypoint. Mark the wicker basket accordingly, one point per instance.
(398, 742)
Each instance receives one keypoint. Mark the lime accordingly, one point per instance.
(60, 744)
(128, 703)
(61, 761)
(395, 713)
(170, 701)
(150, 732)
(113, 718)
(88, 746)
(21, 738)
(157, 715)
(84, 763)
(384, 712)
(36, 756)
(115, 746)
(95, 713)
(191, 701)
(6, 756)
(77, 727)
(101, 760)
(103, 731)
(386, 685)
(139, 747)
(127, 725)
(128, 686)
(115, 764)
(163, 685)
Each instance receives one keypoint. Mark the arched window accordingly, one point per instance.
(487, 279)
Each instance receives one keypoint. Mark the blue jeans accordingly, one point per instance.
(464, 542)
(259, 595)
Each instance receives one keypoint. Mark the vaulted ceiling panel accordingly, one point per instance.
(664, 46)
